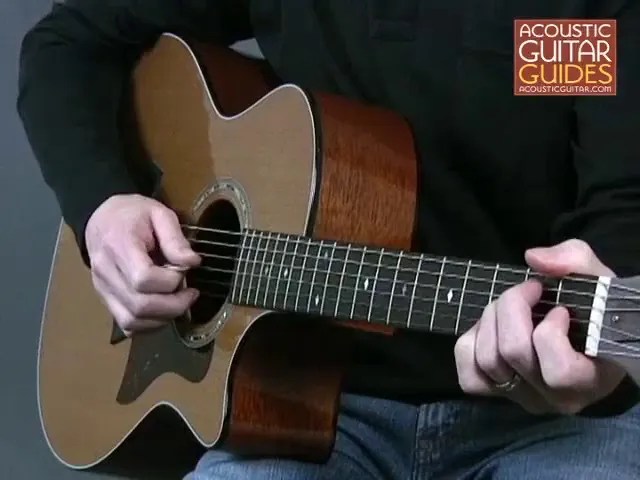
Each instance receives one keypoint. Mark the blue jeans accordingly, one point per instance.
(465, 439)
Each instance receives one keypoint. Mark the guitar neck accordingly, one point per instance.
(402, 289)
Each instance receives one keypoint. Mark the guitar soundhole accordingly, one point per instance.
(217, 242)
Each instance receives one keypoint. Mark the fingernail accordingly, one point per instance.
(187, 252)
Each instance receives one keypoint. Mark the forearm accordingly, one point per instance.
(68, 98)
(74, 65)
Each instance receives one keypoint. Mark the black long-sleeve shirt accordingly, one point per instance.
(498, 173)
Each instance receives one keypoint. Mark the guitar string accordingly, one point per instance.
(631, 348)
(423, 257)
(260, 276)
(293, 267)
(347, 288)
(307, 297)
(336, 247)
(414, 310)
(532, 275)
(465, 319)
(618, 354)
(407, 255)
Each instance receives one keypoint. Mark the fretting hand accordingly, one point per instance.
(121, 237)
(504, 354)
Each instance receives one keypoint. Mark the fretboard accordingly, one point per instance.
(401, 289)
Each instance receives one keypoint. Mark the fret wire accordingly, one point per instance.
(375, 281)
(471, 320)
(246, 271)
(255, 300)
(586, 314)
(549, 290)
(493, 283)
(264, 265)
(253, 274)
(509, 270)
(588, 308)
(269, 266)
(393, 288)
(237, 294)
(245, 267)
(248, 247)
(291, 269)
(284, 254)
(313, 275)
(413, 293)
(355, 292)
(435, 259)
(344, 269)
(304, 262)
(327, 276)
(464, 286)
(435, 302)
(404, 299)
(558, 292)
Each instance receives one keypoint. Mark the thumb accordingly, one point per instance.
(172, 242)
(571, 256)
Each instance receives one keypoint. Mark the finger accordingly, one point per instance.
(514, 330)
(168, 306)
(142, 275)
(571, 256)
(146, 305)
(497, 368)
(474, 381)
(573, 379)
(471, 378)
(504, 346)
(563, 369)
(487, 355)
(172, 242)
(127, 322)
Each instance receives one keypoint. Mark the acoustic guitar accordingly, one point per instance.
(302, 206)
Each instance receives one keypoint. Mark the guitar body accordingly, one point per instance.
(235, 151)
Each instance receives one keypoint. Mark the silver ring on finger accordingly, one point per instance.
(175, 268)
(509, 385)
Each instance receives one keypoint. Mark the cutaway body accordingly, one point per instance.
(234, 150)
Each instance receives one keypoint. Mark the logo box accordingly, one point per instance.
(564, 57)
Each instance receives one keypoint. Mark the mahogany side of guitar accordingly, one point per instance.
(327, 168)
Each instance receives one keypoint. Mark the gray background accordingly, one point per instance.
(30, 219)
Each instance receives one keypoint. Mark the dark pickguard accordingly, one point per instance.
(156, 353)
